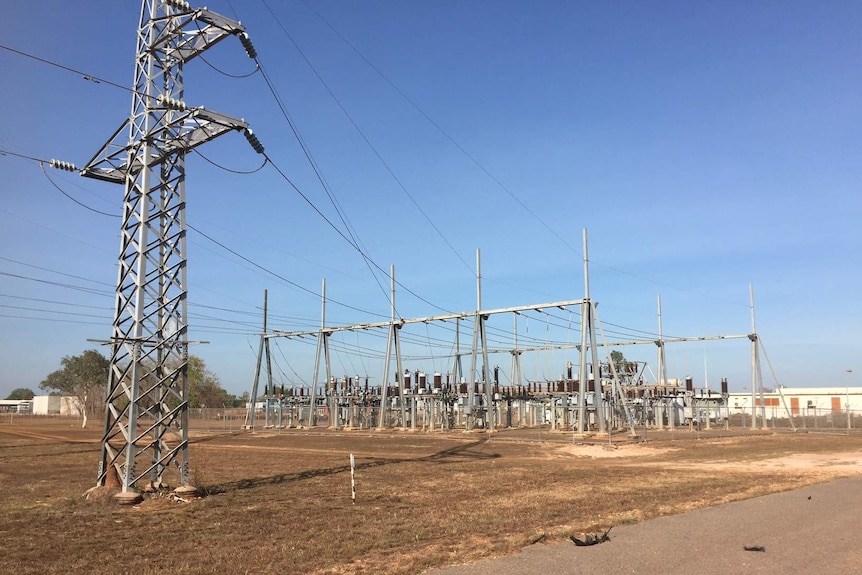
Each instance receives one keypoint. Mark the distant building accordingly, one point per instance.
(16, 405)
(801, 401)
(57, 405)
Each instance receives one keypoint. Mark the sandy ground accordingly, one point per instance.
(596, 451)
(843, 463)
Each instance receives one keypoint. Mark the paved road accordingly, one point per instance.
(811, 530)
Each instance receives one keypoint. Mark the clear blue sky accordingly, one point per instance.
(705, 146)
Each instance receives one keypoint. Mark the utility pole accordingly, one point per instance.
(756, 375)
(393, 341)
(588, 342)
(263, 349)
(321, 346)
(389, 342)
(470, 408)
(582, 367)
(479, 333)
(662, 375)
(146, 409)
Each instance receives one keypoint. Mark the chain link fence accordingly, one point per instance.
(814, 419)
(213, 420)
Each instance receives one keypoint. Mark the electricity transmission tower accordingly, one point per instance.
(146, 409)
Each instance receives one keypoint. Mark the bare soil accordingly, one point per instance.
(280, 501)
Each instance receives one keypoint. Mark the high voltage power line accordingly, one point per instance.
(411, 102)
(350, 240)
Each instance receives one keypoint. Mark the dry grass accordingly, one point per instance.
(280, 503)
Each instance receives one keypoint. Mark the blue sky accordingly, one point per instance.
(706, 147)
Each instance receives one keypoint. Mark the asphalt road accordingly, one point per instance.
(813, 530)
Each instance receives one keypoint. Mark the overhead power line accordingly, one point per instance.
(366, 139)
(353, 241)
(222, 245)
(440, 129)
(20, 263)
(84, 75)
(223, 73)
(53, 319)
(348, 240)
(82, 204)
(274, 274)
(41, 310)
(23, 156)
(232, 171)
(93, 291)
(479, 164)
(65, 303)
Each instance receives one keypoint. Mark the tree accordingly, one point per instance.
(21, 393)
(84, 377)
(621, 364)
(204, 387)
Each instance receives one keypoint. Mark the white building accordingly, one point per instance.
(57, 405)
(801, 401)
(16, 405)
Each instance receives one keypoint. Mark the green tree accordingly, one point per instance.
(621, 364)
(83, 377)
(204, 387)
(21, 393)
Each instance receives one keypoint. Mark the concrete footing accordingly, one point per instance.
(186, 491)
(128, 497)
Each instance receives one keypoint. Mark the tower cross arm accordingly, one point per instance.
(199, 30)
(185, 132)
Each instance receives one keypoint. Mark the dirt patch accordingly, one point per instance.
(847, 461)
(604, 451)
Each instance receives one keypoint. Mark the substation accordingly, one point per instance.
(615, 396)
(432, 402)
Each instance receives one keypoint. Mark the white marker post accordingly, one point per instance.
(353, 478)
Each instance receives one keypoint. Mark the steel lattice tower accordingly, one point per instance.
(146, 409)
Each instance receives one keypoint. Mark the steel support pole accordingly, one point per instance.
(472, 380)
(399, 368)
(662, 373)
(582, 367)
(598, 396)
(333, 414)
(384, 389)
(457, 372)
(312, 407)
(251, 409)
(269, 383)
(754, 361)
(251, 412)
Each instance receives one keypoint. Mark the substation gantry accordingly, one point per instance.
(476, 401)
(603, 395)
(146, 409)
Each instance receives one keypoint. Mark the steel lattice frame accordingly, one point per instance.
(146, 409)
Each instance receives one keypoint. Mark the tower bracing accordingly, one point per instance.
(146, 409)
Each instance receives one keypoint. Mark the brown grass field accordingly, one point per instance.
(279, 502)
